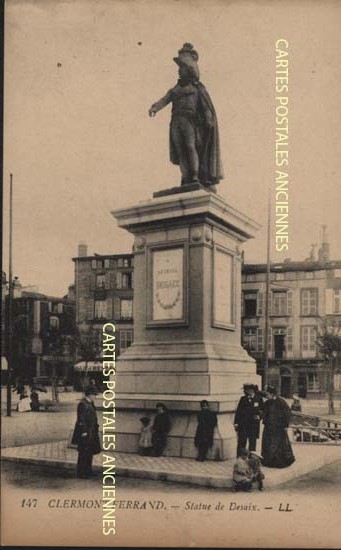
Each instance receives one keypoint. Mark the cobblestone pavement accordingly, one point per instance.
(210, 473)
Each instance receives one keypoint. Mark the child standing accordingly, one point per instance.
(254, 461)
(242, 475)
(145, 442)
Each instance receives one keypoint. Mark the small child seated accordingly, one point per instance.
(242, 475)
(254, 461)
(145, 442)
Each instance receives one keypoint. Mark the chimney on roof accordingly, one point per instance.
(17, 288)
(312, 255)
(82, 249)
(324, 250)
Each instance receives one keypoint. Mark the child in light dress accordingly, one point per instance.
(145, 442)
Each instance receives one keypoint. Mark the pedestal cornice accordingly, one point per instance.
(199, 205)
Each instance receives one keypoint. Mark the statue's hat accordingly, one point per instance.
(188, 56)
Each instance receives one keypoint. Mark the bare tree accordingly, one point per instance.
(87, 347)
(329, 343)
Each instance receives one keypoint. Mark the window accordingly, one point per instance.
(250, 304)
(309, 302)
(54, 322)
(279, 303)
(93, 264)
(307, 275)
(126, 339)
(100, 309)
(337, 382)
(313, 382)
(123, 262)
(126, 309)
(126, 280)
(107, 263)
(100, 281)
(250, 339)
(336, 301)
(279, 276)
(60, 308)
(253, 339)
(308, 339)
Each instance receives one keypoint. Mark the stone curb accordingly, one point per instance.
(159, 472)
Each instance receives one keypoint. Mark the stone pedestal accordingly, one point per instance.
(187, 340)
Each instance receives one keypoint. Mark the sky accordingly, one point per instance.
(80, 77)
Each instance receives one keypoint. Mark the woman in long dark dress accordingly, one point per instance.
(207, 421)
(276, 448)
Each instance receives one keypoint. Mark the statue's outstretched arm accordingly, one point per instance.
(160, 104)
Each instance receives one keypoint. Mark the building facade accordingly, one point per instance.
(43, 330)
(304, 298)
(104, 293)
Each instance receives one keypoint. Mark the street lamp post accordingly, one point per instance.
(10, 305)
(331, 383)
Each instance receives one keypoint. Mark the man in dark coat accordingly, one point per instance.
(194, 136)
(86, 435)
(160, 429)
(207, 421)
(247, 418)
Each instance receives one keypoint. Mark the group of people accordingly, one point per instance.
(28, 396)
(253, 407)
(274, 412)
(276, 449)
(153, 438)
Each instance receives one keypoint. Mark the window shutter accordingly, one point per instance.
(329, 301)
(117, 309)
(119, 279)
(112, 279)
(109, 308)
(242, 305)
(107, 280)
(270, 339)
(288, 343)
(132, 279)
(90, 310)
(260, 304)
(92, 281)
(260, 339)
(270, 302)
(289, 302)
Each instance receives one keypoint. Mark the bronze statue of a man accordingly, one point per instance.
(194, 137)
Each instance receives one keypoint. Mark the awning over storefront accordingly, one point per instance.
(4, 364)
(90, 366)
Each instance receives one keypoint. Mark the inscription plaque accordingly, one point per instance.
(168, 292)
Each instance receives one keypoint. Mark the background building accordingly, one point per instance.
(43, 329)
(104, 292)
(305, 297)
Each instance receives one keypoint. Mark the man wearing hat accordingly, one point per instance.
(247, 418)
(194, 138)
(86, 435)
